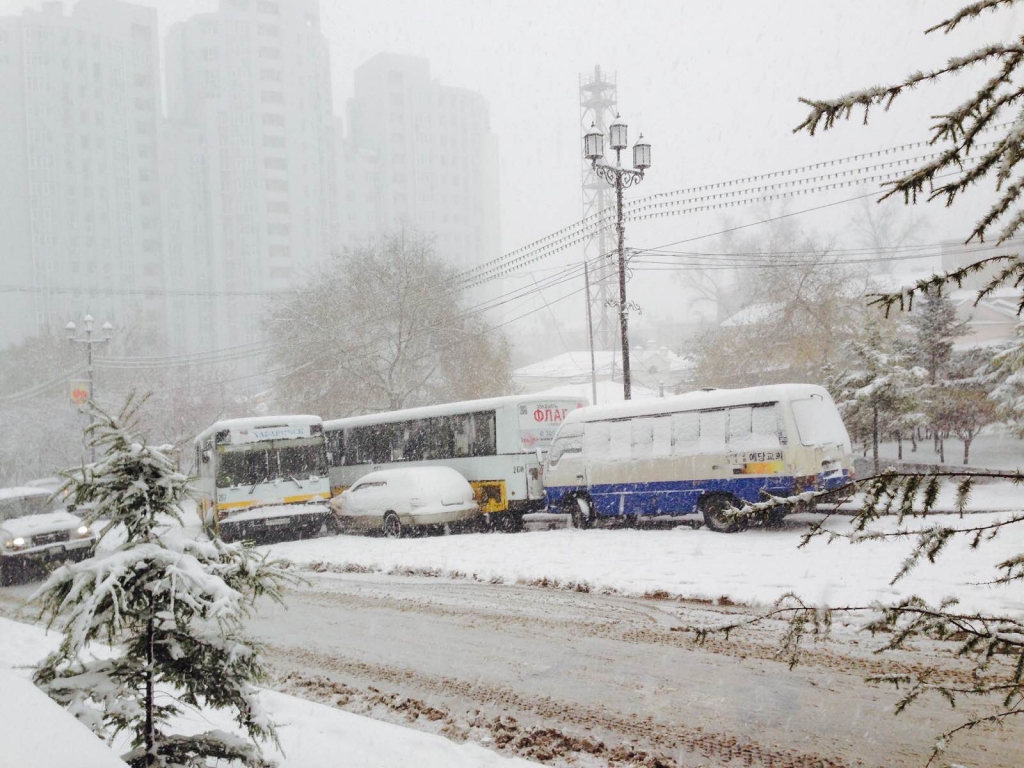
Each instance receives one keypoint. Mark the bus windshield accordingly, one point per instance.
(263, 463)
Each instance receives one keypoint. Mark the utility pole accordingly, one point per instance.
(107, 331)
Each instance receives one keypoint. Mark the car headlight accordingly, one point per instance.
(16, 543)
(84, 531)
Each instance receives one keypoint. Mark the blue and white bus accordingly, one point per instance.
(701, 452)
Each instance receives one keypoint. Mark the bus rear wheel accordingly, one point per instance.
(392, 526)
(715, 509)
(582, 513)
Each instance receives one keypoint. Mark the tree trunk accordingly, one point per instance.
(899, 446)
(150, 726)
(942, 447)
(913, 439)
(967, 450)
(874, 437)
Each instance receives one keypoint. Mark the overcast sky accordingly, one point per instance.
(713, 85)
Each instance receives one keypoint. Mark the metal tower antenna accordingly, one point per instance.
(598, 100)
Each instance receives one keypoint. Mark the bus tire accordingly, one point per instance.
(582, 512)
(713, 507)
(392, 526)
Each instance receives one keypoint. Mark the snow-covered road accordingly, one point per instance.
(591, 679)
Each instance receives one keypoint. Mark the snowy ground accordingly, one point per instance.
(311, 734)
(989, 451)
(755, 566)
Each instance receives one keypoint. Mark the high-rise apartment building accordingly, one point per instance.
(80, 211)
(249, 108)
(436, 156)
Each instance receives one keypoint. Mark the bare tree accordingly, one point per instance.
(384, 326)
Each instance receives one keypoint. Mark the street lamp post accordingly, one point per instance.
(620, 178)
(106, 332)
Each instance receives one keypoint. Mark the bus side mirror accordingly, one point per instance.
(541, 455)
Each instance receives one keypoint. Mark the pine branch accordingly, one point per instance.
(971, 11)
(904, 299)
(825, 112)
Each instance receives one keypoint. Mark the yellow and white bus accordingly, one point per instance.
(698, 453)
(494, 443)
(263, 477)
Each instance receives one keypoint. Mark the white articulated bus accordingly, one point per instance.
(261, 477)
(494, 443)
(700, 452)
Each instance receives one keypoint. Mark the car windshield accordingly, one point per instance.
(24, 506)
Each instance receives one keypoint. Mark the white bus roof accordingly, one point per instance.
(443, 409)
(695, 401)
(258, 422)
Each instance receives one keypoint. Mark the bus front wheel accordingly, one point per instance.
(715, 509)
(582, 513)
(392, 526)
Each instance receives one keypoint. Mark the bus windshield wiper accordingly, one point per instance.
(292, 478)
(258, 482)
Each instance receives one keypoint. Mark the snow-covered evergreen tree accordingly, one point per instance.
(936, 325)
(170, 606)
(876, 392)
(1005, 372)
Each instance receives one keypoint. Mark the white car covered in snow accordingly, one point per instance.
(391, 500)
(36, 531)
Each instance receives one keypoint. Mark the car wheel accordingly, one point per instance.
(715, 510)
(392, 526)
(582, 513)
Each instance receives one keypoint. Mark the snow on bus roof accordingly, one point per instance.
(699, 400)
(444, 409)
(258, 422)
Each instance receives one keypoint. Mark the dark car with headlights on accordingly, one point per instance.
(36, 533)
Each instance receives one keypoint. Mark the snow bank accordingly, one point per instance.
(755, 566)
(35, 731)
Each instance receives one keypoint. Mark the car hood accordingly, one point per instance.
(32, 525)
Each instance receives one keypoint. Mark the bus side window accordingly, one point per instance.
(621, 440)
(739, 431)
(766, 427)
(597, 436)
(643, 438)
(460, 435)
(712, 432)
(483, 434)
(662, 444)
(685, 433)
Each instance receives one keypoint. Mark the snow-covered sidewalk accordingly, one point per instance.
(755, 566)
(311, 734)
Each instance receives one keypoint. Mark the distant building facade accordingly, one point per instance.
(80, 207)
(250, 120)
(185, 222)
(436, 156)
